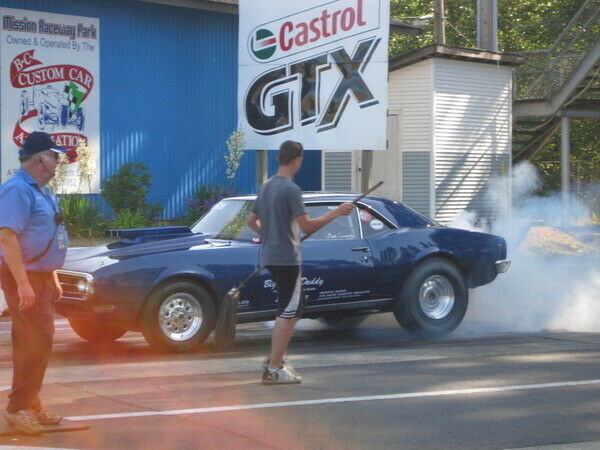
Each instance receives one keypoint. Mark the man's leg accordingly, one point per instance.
(31, 333)
(282, 334)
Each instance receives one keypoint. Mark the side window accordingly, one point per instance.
(341, 228)
(370, 224)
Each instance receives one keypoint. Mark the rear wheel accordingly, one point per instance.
(433, 300)
(178, 317)
(95, 331)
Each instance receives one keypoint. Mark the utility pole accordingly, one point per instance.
(487, 25)
(439, 19)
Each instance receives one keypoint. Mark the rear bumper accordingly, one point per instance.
(502, 265)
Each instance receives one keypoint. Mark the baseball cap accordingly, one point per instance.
(37, 142)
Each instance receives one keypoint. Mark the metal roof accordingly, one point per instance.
(231, 7)
(465, 54)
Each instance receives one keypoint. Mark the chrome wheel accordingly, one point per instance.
(180, 316)
(436, 297)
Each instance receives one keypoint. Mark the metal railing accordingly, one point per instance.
(544, 72)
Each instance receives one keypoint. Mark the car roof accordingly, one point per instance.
(317, 195)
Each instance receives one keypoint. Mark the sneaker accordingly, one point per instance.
(23, 421)
(46, 417)
(281, 376)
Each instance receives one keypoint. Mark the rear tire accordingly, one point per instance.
(178, 317)
(433, 300)
(95, 332)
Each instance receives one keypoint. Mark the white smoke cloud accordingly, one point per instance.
(553, 292)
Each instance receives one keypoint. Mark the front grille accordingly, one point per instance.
(69, 281)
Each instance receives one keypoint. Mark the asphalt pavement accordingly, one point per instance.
(373, 387)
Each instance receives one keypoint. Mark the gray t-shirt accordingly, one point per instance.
(279, 202)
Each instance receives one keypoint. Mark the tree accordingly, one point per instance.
(522, 25)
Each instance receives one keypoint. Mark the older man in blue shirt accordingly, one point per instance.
(33, 244)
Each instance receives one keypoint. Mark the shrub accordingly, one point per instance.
(82, 217)
(203, 198)
(127, 188)
(126, 218)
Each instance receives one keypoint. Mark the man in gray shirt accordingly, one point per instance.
(278, 216)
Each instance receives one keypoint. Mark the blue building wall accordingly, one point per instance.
(168, 87)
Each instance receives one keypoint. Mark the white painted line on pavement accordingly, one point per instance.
(4, 388)
(55, 328)
(324, 401)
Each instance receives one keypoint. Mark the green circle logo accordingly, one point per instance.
(263, 44)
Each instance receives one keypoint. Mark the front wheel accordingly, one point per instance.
(95, 332)
(433, 299)
(178, 317)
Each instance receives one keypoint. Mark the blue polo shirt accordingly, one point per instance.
(29, 211)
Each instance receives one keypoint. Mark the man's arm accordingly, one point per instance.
(254, 222)
(13, 258)
(311, 225)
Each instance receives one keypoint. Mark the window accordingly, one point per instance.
(371, 224)
(341, 228)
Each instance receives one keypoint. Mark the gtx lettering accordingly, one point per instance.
(270, 102)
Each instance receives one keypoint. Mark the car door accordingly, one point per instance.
(336, 262)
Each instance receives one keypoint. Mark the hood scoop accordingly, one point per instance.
(133, 236)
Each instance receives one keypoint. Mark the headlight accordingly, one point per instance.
(83, 287)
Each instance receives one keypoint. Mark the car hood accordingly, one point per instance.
(90, 259)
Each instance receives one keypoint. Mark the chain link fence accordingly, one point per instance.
(584, 183)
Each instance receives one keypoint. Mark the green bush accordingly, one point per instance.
(130, 219)
(202, 199)
(126, 190)
(82, 217)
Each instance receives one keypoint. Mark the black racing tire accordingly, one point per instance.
(95, 332)
(343, 323)
(433, 299)
(178, 317)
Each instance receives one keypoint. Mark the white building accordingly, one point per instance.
(449, 128)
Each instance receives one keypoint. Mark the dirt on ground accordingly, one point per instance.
(542, 240)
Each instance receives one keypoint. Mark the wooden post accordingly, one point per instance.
(366, 168)
(439, 19)
(487, 25)
(262, 167)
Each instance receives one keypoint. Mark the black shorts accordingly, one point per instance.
(290, 298)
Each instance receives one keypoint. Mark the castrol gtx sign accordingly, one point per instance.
(315, 72)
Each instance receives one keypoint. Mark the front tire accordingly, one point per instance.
(95, 332)
(178, 317)
(433, 300)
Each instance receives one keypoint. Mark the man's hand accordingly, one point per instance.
(345, 209)
(26, 296)
(59, 290)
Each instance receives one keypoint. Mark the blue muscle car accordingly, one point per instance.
(169, 282)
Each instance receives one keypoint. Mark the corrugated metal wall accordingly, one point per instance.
(472, 126)
(338, 171)
(168, 79)
(416, 181)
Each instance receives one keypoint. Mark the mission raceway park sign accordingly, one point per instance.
(314, 71)
(49, 82)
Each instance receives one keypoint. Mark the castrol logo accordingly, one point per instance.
(311, 28)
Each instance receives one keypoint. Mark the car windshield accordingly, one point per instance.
(227, 220)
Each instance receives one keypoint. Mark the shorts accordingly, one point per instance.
(290, 298)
